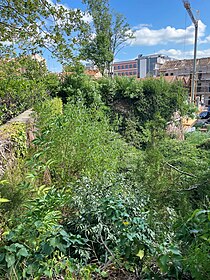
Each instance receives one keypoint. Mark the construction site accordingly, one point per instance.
(195, 70)
(183, 69)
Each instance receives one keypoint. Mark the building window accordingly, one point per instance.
(123, 73)
(126, 73)
(172, 74)
(134, 73)
(115, 67)
(130, 66)
(166, 74)
(134, 65)
(199, 75)
(199, 87)
(130, 73)
(118, 67)
(126, 66)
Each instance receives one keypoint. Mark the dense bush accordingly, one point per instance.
(137, 105)
(80, 87)
(77, 143)
(23, 83)
(78, 234)
(18, 95)
(195, 237)
(175, 173)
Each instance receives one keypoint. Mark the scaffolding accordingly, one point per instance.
(184, 68)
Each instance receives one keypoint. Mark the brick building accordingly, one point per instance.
(126, 68)
(141, 67)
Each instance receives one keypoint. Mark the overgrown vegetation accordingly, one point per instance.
(23, 82)
(103, 192)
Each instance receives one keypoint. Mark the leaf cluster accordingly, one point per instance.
(31, 26)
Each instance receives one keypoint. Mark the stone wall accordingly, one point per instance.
(15, 138)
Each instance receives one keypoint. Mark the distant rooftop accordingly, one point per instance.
(154, 55)
(140, 56)
(125, 61)
(184, 63)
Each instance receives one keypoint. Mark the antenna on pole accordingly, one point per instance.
(195, 22)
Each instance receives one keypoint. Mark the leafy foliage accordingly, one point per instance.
(85, 142)
(34, 25)
(195, 233)
(21, 86)
(80, 87)
(144, 107)
(110, 32)
(138, 106)
(92, 205)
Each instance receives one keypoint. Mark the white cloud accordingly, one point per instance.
(179, 54)
(57, 4)
(87, 17)
(6, 43)
(206, 40)
(141, 25)
(146, 36)
(116, 60)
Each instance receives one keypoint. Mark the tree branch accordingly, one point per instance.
(189, 189)
(180, 171)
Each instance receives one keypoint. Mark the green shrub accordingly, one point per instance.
(15, 134)
(48, 110)
(66, 233)
(23, 82)
(78, 142)
(147, 104)
(38, 245)
(82, 88)
(116, 230)
(17, 95)
(195, 237)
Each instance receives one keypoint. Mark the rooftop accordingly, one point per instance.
(125, 61)
(184, 63)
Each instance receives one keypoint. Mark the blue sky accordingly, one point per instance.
(161, 26)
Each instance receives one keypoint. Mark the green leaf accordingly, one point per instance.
(104, 274)
(11, 248)
(140, 254)
(47, 249)
(2, 255)
(163, 263)
(2, 182)
(23, 252)
(4, 200)
(175, 251)
(54, 242)
(10, 259)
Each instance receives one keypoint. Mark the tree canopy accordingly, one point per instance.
(109, 33)
(40, 24)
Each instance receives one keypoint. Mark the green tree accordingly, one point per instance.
(34, 25)
(109, 35)
(121, 33)
(98, 46)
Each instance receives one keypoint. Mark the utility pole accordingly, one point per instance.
(195, 22)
